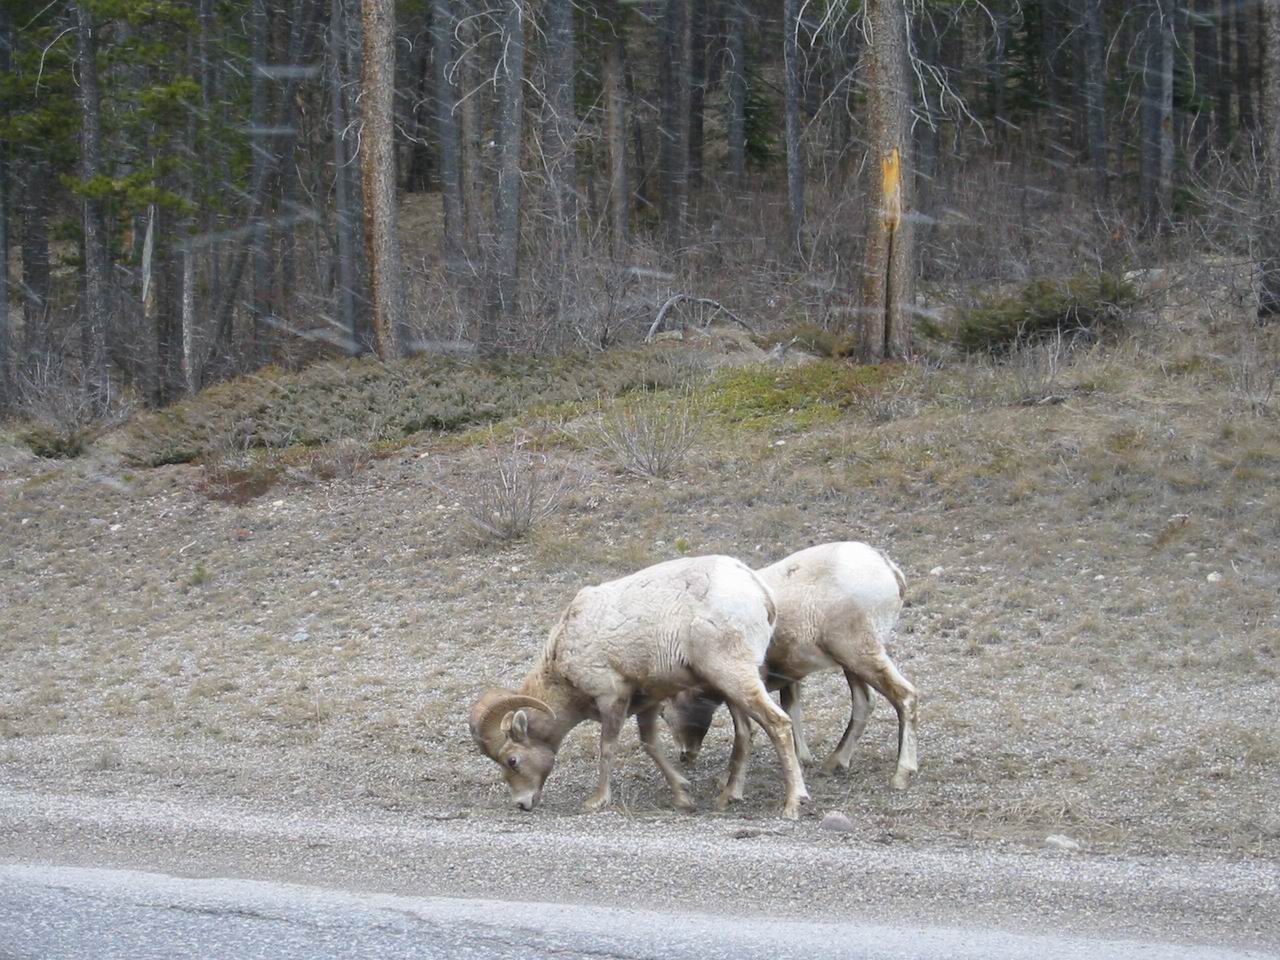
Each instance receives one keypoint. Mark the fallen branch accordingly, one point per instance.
(676, 298)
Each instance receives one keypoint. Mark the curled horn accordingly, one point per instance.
(488, 711)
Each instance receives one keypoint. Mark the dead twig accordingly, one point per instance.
(706, 301)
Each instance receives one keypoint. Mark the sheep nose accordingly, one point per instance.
(525, 805)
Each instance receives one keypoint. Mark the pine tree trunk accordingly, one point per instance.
(378, 167)
(1222, 90)
(444, 23)
(736, 104)
(795, 162)
(507, 193)
(1269, 242)
(96, 263)
(616, 105)
(889, 261)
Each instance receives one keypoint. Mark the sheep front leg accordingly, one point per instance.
(612, 716)
(790, 696)
(647, 721)
(737, 760)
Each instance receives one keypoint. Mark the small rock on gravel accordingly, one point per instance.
(836, 822)
(1058, 841)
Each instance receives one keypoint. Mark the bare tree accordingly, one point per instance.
(378, 166)
(888, 266)
(96, 264)
(1269, 294)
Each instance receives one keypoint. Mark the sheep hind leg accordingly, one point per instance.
(749, 695)
(790, 696)
(894, 687)
(737, 775)
(860, 712)
(612, 715)
(647, 721)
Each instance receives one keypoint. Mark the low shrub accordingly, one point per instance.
(648, 435)
(1082, 306)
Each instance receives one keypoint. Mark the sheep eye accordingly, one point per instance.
(513, 761)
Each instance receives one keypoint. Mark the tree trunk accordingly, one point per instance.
(673, 133)
(1244, 69)
(1156, 173)
(697, 88)
(37, 186)
(1269, 242)
(507, 192)
(263, 153)
(1222, 90)
(562, 136)
(889, 261)
(1093, 59)
(795, 162)
(1050, 41)
(6, 333)
(345, 221)
(736, 104)
(378, 167)
(616, 105)
(444, 22)
(96, 263)
(473, 187)
(1206, 78)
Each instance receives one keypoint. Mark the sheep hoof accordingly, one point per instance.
(833, 764)
(724, 800)
(902, 779)
(594, 804)
(791, 811)
(684, 804)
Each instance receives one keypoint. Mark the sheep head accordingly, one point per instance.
(688, 715)
(500, 727)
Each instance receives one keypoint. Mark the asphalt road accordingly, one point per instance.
(50, 913)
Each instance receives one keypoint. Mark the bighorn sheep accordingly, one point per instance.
(837, 604)
(623, 647)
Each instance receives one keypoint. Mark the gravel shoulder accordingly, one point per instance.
(721, 866)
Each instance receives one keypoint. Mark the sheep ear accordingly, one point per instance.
(519, 727)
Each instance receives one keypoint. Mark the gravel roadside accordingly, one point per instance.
(722, 866)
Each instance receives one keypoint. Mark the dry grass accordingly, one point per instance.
(1098, 650)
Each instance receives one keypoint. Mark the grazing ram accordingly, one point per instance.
(625, 646)
(837, 604)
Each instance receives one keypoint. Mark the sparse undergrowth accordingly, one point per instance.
(1091, 605)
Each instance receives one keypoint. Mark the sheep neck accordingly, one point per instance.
(561, 698)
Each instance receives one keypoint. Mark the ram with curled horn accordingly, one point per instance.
(624, 647)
